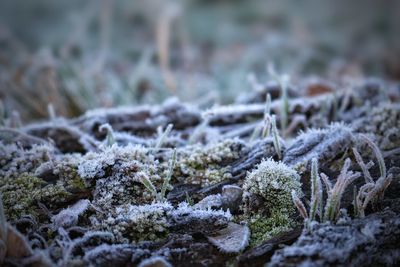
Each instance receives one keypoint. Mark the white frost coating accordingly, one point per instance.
(69, 217)
(15, 160)
(169, 103)
(272, 175)
(93, 164)
(234, 109)
(184, 208)
(141, 212)
(322, 144)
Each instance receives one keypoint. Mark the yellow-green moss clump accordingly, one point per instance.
(208, 165)
(272, 182)
(22, 194)
(263, 228)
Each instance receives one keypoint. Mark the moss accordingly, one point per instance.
(139, 223)
(208, 165)
(17, 195)
(52, 195)
(264, 228)
(273, 182)
(77, 183)
(22, 194)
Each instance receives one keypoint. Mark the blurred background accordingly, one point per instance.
(79, 55)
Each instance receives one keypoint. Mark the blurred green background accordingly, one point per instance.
(80, 55)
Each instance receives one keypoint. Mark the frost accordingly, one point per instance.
(185, 210)
(354, 243)
(139, 222)
(15, 160)
(206, 165)
(323, 144)
(95, 164)
(69, 217)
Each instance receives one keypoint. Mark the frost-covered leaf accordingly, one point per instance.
(17, 245)
(231, 239)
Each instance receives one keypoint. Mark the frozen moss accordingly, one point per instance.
(15, 160)
(264, 228)
(274, 182)
(208, 165)
(271, 183)
(112, 160)
(23, 193)
(116, 173)
(17, 194)
(133, 223)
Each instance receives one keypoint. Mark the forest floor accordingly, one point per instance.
(199, 133)
(173, 184)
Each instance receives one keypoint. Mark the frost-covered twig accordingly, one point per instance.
(316, 191)
(332, 207)
(199, 130)
(283, 81)
(377, 152)
(51, 111)
(299, 205)
(267, 117)
(163, 136)
(110, 139)
(145, 180)
(326, 181)
(345, 178)
(169, 175)
(371, 191)
(256, 133)
(364, 167)
(275, 135)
